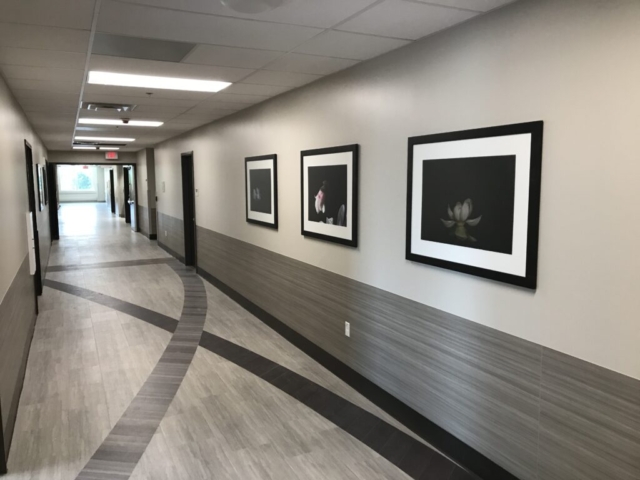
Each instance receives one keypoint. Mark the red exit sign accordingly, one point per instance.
(111, 155)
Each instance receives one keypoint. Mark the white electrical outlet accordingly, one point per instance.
(347, 329)
(165, 233)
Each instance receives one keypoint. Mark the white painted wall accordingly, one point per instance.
(14, 203)
(571, 63)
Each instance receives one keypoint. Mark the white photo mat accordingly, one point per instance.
(259, 216)
(518, 145)
(342, 158)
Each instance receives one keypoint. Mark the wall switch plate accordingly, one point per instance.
(163, 187)
(165, 233)
(347, 329)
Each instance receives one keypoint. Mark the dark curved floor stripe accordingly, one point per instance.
(121, 451)
(121, 263)
(411, 456)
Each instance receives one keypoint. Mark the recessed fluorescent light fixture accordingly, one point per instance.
(105, 139)
(161, 83)
(96, 148)
(119, 122)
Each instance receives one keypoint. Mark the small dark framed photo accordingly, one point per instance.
(473, 201)
(261, 190)
(329, 194)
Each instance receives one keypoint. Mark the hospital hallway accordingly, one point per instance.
(141, 369)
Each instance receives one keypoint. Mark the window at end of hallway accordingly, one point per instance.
(77, 178)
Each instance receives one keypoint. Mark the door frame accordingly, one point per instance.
(189, 209)
(3, 457)
(31, 192)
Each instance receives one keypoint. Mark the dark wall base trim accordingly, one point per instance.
(448, 444)
(153, 236)
(170, 252)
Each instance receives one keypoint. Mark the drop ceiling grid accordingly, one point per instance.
(263, 55)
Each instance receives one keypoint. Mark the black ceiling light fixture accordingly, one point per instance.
(252, 6)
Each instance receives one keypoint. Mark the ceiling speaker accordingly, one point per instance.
(252, 6)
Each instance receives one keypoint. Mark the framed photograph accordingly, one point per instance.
(45, 184)
(473, 201)
(329, 194)
(261, 190)
(40, 183)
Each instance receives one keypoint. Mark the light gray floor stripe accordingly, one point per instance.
(417, 460)
(123, 263)
(121, 451)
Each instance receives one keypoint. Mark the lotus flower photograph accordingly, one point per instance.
(469, 202)
(473, 201)
(260, 188)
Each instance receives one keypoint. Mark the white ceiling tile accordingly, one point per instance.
(231, 106)
(59, 13)
(225, 97)
(65, 107)
(211, 109)
(135, 20)
(475, 5)
(167, 69)
(44, 38)
(402, 19)
(287, 79)
(36, 96)
(260, 90)
(300, 63)
(41, 73)
(45, 85)
(231, 57)
(313, 13)
(197, 118)
(42, 58)
(349, 45)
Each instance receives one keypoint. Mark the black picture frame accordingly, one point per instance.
(273, 167)
(45, 185)
(39, 181)
(352, 220)
(535, 129)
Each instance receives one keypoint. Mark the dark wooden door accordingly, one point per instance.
(127, 210)
(52, 191)
(112, 192)
(189, 206)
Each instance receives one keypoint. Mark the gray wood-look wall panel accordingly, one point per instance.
(479, 384)
(482, 385)
(17, 320)
(590, 421)
(143, 220)
(175, 233)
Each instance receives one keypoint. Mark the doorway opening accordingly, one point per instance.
(189, 207)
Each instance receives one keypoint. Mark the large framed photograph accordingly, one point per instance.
(261, 190)
(329, 194)
(473, 201)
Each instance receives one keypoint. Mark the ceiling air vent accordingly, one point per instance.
(113, 107)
